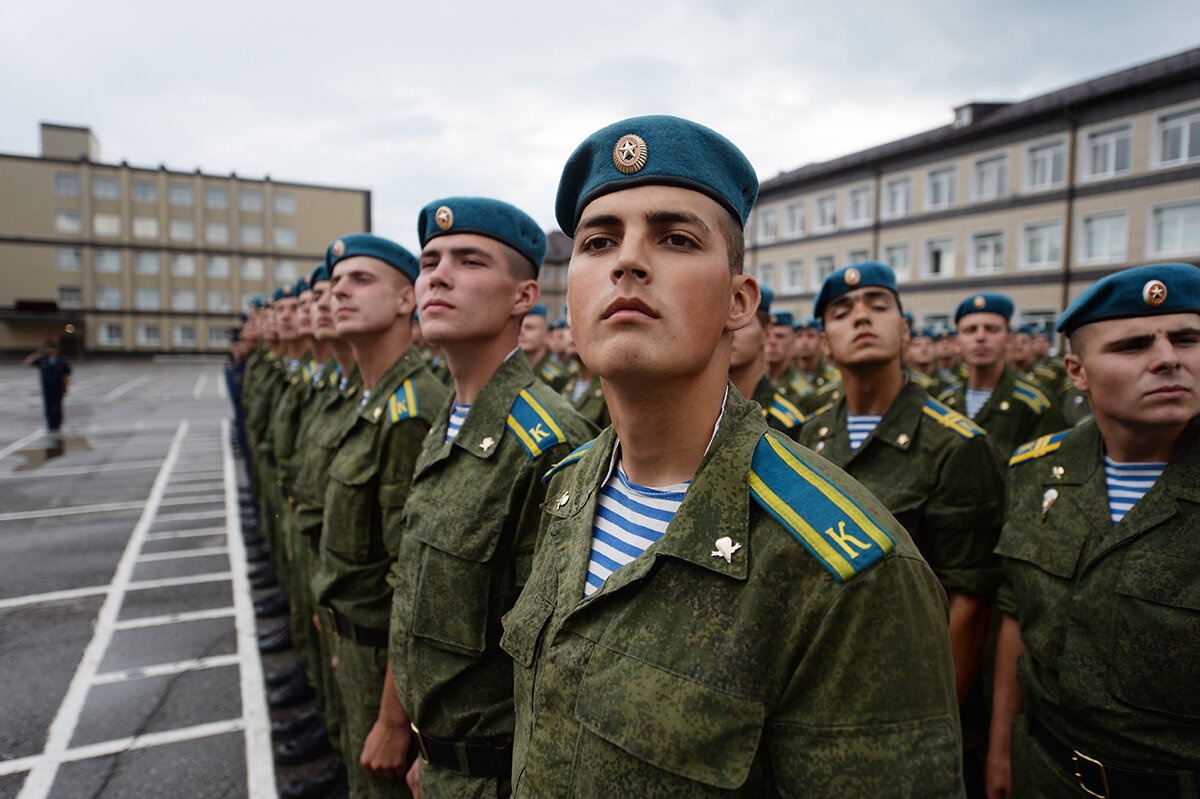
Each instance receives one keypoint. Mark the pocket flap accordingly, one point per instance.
(1054, 552)
(453, 529)
(523, 626)
(1161, 578)
(353, 471)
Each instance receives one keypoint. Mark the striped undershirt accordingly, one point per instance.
(860, 425)
(976, 399)
(457, 417)
(1127, 483)
(362, 403)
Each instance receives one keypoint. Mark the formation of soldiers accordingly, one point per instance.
(687, 546)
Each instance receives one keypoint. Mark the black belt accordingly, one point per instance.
(366, 636)
(477, 758)
(1097, 778)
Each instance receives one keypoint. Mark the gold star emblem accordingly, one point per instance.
(339, 248)
(853, 276)
(1154, 293)
(1004, 405)
(629, 154)
(486, 444)
(979, 301)
(444, 218)
(1058, 472)
(902, 439)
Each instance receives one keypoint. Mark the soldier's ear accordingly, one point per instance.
(743, 302)
(406, 301)
(1076, 371)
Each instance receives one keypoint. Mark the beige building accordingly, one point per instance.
(1036, 199)
(114, 258)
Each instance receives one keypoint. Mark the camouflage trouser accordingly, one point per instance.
(360, 675)
(328, 696)
(440, 783)
(294, 574)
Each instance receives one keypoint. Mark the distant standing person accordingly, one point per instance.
(56, 376)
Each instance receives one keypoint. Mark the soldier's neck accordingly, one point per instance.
(745, 378)
(536, 356)
(808, 363)
(1125, 444)
(473, 363)
(923, 368)
(375, 353)
(775, 370)
(984, 377)
(872, 388)
(321, 350)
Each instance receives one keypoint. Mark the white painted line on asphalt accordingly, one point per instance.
(260, 764)
(189, 517)
(199, 389)
(222, 390)
(52, 596)
(163, 669)
(71, 470)
(41, 777)
(119, 745)
(121, 390)
(205, 469)
(173, 582)
(173, 618)
(199, 552)
(205, 487)
(104, 507)
(198, 477)
(20, 442)
(197, 533)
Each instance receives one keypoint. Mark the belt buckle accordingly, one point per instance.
(1076, 756)
(420, 742)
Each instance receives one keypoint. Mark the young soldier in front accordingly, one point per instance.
(713, 611)
(470, 521)
(1101, 548)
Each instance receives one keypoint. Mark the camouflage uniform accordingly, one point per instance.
(285, 424)
(551, 373)
(1110, 617)
(469, 527)
(779, 411)
(785, 671)
(1018, 411)
(592, 405)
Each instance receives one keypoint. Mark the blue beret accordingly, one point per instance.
(1141, 291)
(1043, 332)
(908, 317)
(497, 220)
(303, 284)
(945, 332)
(855, 276)
(373, 246)
(259, 302)
(537, 310)
(287, 290)
(766, 297)
(559, 323)
(321, 272)
(783, 318)
(926, 332)
(807, 324)
(984, 303)
(1024, 329)
(658, 151)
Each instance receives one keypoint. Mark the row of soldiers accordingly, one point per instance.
(686, 555)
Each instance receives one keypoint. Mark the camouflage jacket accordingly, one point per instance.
(1110, 614)
(591, 406)
(286, 416)
(809, 663)
(332, 411)
(551, 373)
(780, 412)
(1018, 411)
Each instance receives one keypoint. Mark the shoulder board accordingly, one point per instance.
(549, 371)
(801, 386)
(567, 461)
(1031, 396)
(785, 411)
(533, 425)
(947, 395)
(306, 369)
(820, 410)
(921, 379)
(404, 403)
(1036, 449)
(952, 419)
(832, 527)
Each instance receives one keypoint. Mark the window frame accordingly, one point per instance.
(926, 252)
(854, 222)
(1111, 134)
(973, 267)
(888, 211)
(1081, 242)
(931, 179)
(1152, 230)
(1057, 144)
(1023, 262)
(1190, 112)
(1002, 182)
(825, 201)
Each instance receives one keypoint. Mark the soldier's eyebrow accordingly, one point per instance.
(676, 218)
(598, 221)
(1128, 343)
(1187, 333)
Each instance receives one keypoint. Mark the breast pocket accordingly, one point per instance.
(351, 507)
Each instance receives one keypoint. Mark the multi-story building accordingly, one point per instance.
(114, 258)
(1037, 199)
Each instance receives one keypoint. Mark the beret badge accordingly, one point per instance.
(1154, 293)
(853, 276)
(629, 154)
(444, 218)
(339, 248)
(979, 302)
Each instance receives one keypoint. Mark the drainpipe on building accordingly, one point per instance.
(1069, 222)
(878, 208)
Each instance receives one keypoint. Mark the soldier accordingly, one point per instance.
(468, 523)
(748, 371)
(920, 364)
(945, 347)
(1100, 550)
(535, 333)
(368, 482)
(1011, 409)
(687, 629)
(55, 373)
(584, 390)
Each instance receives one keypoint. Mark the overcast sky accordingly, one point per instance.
(421, 100)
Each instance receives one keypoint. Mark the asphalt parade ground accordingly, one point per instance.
(129, 664)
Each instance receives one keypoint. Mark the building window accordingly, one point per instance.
(144, 191)
(1105, 237)
(986, 255)
(1108, 152)
(897, 198)
(183, 265)
(793, 275)
(219, 301)
(105, 187)
(858, 207)
(147, 335)
(768, 227)
(248, 300)
(106, 225)
(937, 321)
(217, 266)
(252, 268)
(180, 194)
(899, 258)
(1175, 229)
(146, 299)
(70, 297)
(183, 300)
(766, 276)
(252, 235)
(1178, 137)
(857, 256)
(66, 184)
(181, 230)
(66, 259)
(940, 189)
(216, 197)
(1046, 166)
(823, 266)
(794, 221)
(183, 335)
(285, 202)
(145, 227)
(108, 297)
(938, 262)
(1041, 245)
(67, 222)
(216, 232)
(826, 214)
(108, 261)
(109, 333)
(218, 336)
(145, 263)
(989, 178)
(285, 270)
(250, 200)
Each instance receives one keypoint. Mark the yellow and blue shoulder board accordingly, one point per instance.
(1037, 448)
(785, 411)
(1031, 395)
(801, 386)
(948, 417)
(835, 529)
(308, 369)
(549, 371)
(921, 379)
(567, 461)
(404, 404)
(533, 425)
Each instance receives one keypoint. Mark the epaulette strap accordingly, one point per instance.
(921, 379)
(548, 371)
(806, 503)
(786, 412)
(1036, 449)
(948, 417)
(801, 386)
(567, 461)
(1031, 396)
(533, 425)
(404, 404)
